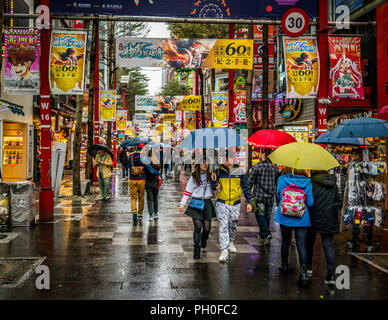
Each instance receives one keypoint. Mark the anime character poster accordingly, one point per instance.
(239, 106)
(107, 105)
(190, 120)
(184, 53)
(121, 119)
(67, 62)
(345, 68)
(220, 109)
(302, 66)
(22, 53)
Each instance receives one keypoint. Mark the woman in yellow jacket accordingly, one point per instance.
(103, 162)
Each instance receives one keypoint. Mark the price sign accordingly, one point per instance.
(295, 22)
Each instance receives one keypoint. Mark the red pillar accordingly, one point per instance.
(115, 132)
(46, 195)
(96, 102)
(323, 47)
(231, 84)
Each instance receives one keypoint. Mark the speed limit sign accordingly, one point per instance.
(295, 22)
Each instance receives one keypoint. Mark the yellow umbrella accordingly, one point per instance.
(298, 155)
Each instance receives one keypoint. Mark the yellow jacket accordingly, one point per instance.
(106, 169)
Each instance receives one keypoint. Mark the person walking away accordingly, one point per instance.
(199, 187)
(177, 158)
(152, 187)
(103, 163)
(262, 179)
(124, 162)
(295, 194)
(167, 162)
(324, 216)
(161, 161)
(229, 182)
(188, 160)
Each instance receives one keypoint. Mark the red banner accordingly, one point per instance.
(239, 106)
(345, 68)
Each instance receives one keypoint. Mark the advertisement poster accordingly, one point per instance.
(169, 117)
(67, 62)
(258, 56)
(107, 105)
(220, 109)
(345, 68)
(302, 66)
(239, 106)
(121, 119)
(168, 104)
(129, 129)
(22, 53)
(141, 118)
(190, 120)
(257, 85)
(184, 53)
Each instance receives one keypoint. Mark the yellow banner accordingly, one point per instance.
(169, 117)
(67, 62)
(190, 103)
(108, 105)
(220, 108)
(190, 120)
(121, 119)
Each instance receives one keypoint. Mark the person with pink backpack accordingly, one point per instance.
(294, 195)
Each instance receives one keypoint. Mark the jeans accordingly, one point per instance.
(326, 239)
(137, 188)
(152, 200)
(263, 218)
(300, 237)
(167, 168)
(125, 171)
(104, 185)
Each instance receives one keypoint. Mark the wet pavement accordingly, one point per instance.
(93, 251)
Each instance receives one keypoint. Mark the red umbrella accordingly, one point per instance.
(384, 109)
(270, 139)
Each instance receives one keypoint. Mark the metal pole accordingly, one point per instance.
(46, 195)
(231, 85)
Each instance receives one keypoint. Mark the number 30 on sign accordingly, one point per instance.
(295, 22)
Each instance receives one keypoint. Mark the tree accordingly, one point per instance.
(198, 30)
(173, 88)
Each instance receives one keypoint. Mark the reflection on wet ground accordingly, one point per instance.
(94, 251)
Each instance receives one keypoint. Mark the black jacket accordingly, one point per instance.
(324, 214)
(123, 158)
(152, 180)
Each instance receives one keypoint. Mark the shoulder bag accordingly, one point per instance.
(138, 170)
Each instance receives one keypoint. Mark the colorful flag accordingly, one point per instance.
(302, 66)
(22, 53)
(220, 109)
(67, 62)
(345, 68)
(107, 105)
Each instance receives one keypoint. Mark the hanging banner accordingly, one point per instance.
(22, 53)
(302, 66)
(345, 68)
(169, 117)
(239, 106)
(220, 109)
(184, 53)
(107, 105)
(221, 9)
(121, 119)
(67, 62)
(257, 85)
(190, 120)
(168, 104)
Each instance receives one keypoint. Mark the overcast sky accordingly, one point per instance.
(157, 30)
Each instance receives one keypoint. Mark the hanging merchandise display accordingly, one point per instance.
(168, 104)
(302, 66)
(239, 106)
(22, 54)
(107, 105)
(220, 109)
(67, 62)
(345, 68)
(121, 119)
(185, 53)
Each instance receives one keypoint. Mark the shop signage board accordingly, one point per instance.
(107, 105)
(22, 57)
(121, 119)
(227, 9)
(168, 103)
(295, 22)
(67, 62)
(345, 68)
(296, 128)
(184, 53)
(220, 109)
(302, 66)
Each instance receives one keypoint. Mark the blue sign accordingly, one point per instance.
(351, 4)
(221, 9)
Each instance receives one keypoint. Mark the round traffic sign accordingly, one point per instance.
(295, 22)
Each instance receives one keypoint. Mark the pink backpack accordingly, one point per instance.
(293, 201)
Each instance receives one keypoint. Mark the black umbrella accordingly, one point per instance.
(94, 148)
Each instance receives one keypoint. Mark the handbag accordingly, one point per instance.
(136, 171)
(198, 204)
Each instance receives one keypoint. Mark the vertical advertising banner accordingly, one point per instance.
(67, 62)
(190, 120)
(239, 106)
(345, 68)
(107, 105)
(121, 119)
(220, 109)
(302, 66)
(22, 53)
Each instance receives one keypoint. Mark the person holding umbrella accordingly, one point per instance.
(124, 162)
(103, 163)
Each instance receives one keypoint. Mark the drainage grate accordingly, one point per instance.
(15, 271)
(378, 260)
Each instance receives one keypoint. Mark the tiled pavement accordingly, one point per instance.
(94, 252)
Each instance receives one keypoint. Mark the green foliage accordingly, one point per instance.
(173, 88)
(198, 30)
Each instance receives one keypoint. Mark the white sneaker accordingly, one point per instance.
(224, 256)
(232, 248)
(156, 216)
(151, 218)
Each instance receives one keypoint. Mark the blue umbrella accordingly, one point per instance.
(327, 138)
(361, 128)
(134, 142)
(212, 138)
